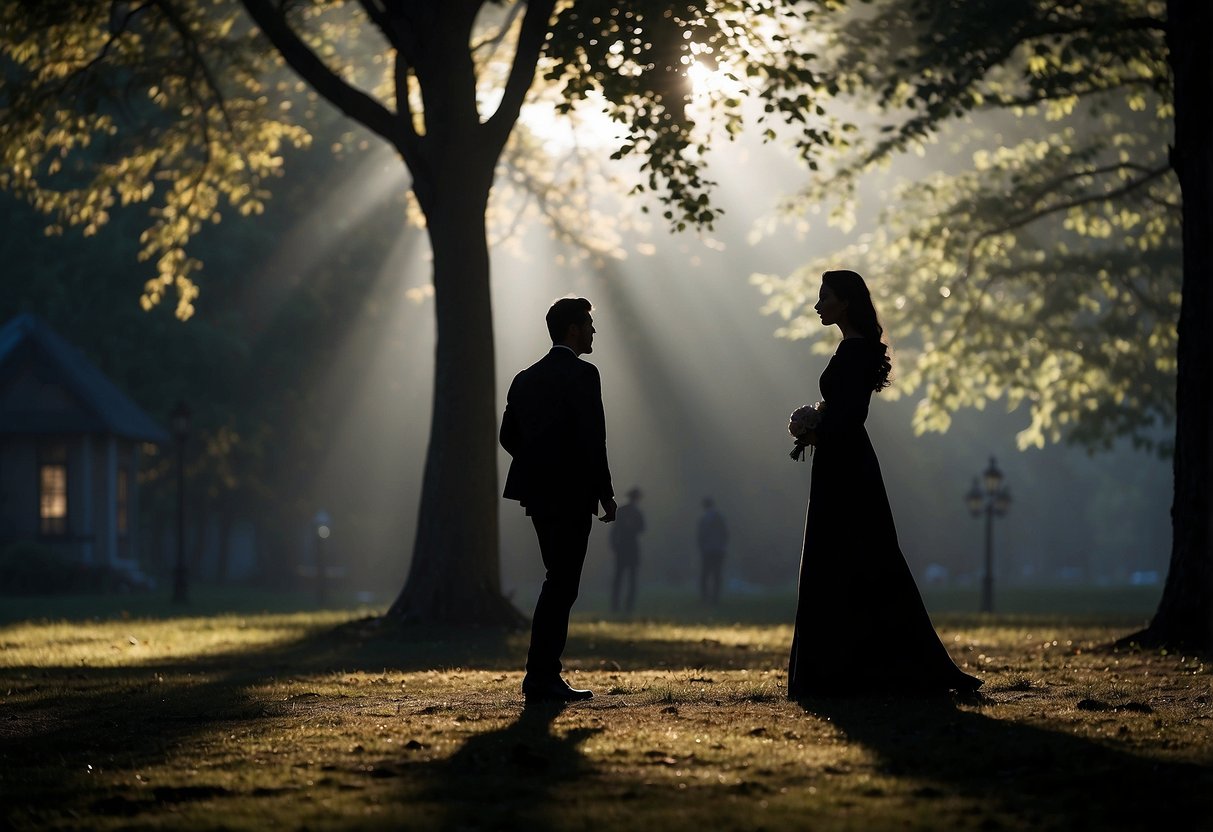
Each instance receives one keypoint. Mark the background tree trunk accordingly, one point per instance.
(1184, 618)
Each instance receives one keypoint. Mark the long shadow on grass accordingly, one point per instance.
(1053, 780)
(62, 726)
(373, 645)
(515, 777)
(59, 721)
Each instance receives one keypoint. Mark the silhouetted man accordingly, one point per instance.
(712, 536)
(555, 431)
(625, 541)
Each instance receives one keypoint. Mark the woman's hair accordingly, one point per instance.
(848, 286)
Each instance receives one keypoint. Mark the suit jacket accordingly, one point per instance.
(554, 428)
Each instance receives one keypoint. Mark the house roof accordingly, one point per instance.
(103, 408)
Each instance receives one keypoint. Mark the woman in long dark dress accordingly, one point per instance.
(861, 626)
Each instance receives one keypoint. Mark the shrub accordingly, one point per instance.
(30, 568)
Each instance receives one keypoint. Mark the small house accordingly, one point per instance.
(70, 444)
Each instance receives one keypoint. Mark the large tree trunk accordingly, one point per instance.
(455, 573)
(1185, 614)
(454, 577)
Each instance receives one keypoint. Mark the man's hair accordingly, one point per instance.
(565, 313)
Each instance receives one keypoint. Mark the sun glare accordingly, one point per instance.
(709, 82)
(588, 126)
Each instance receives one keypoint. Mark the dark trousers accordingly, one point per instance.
(562, 543)
(623, 585)
(711, 567)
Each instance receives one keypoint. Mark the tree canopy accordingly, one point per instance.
(187, 109)
(1038, 262)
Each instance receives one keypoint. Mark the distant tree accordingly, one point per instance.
(172, 103)
(1049, 263)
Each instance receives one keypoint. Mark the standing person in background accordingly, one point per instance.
(712, 537)
(625, 541)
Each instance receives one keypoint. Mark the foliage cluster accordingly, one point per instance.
(1040, 263)
(642, 62)
(164, 104)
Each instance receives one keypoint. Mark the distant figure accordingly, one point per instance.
(625, 541)
(555, 430)
(712, 537)
(861, 627)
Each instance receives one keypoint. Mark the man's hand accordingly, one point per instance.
(609, 507)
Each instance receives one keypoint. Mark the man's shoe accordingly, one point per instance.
(554, 690)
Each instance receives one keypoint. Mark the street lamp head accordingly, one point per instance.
(993, 477)
(1002, 500)
(180, 418)
(974, 499)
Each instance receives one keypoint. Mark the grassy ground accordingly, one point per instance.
(667, 603)
(322, 720)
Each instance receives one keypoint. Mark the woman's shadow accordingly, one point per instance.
(526, 763)
(1050, 778)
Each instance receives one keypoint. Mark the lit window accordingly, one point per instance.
(52, 494)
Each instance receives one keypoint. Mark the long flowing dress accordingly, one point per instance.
(861, 626)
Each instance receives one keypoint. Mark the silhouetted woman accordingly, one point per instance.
(861, 626)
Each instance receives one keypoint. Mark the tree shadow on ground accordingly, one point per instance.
(1052, 779)
(374, 644)
(59, 720)
(61, 724)
(627, 653)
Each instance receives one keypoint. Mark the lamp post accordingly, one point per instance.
(181, 429)
(323, 524)
(989, 496)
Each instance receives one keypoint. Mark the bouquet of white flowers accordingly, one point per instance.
(804, 420)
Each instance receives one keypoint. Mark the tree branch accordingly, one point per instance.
(1027, 218)
(349, 99)
(1065, 205)
(187, 37)
(1052, 185)
(947, 100)
(1141, 23)
(393, 27)
(522, 73)
(120, 18)
(410, 143)
(996, 102)
(497, 39)
(378, 15)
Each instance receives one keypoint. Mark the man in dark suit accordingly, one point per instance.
(555, 431)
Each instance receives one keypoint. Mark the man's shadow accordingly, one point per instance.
(1050, 778)
(525, 763)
